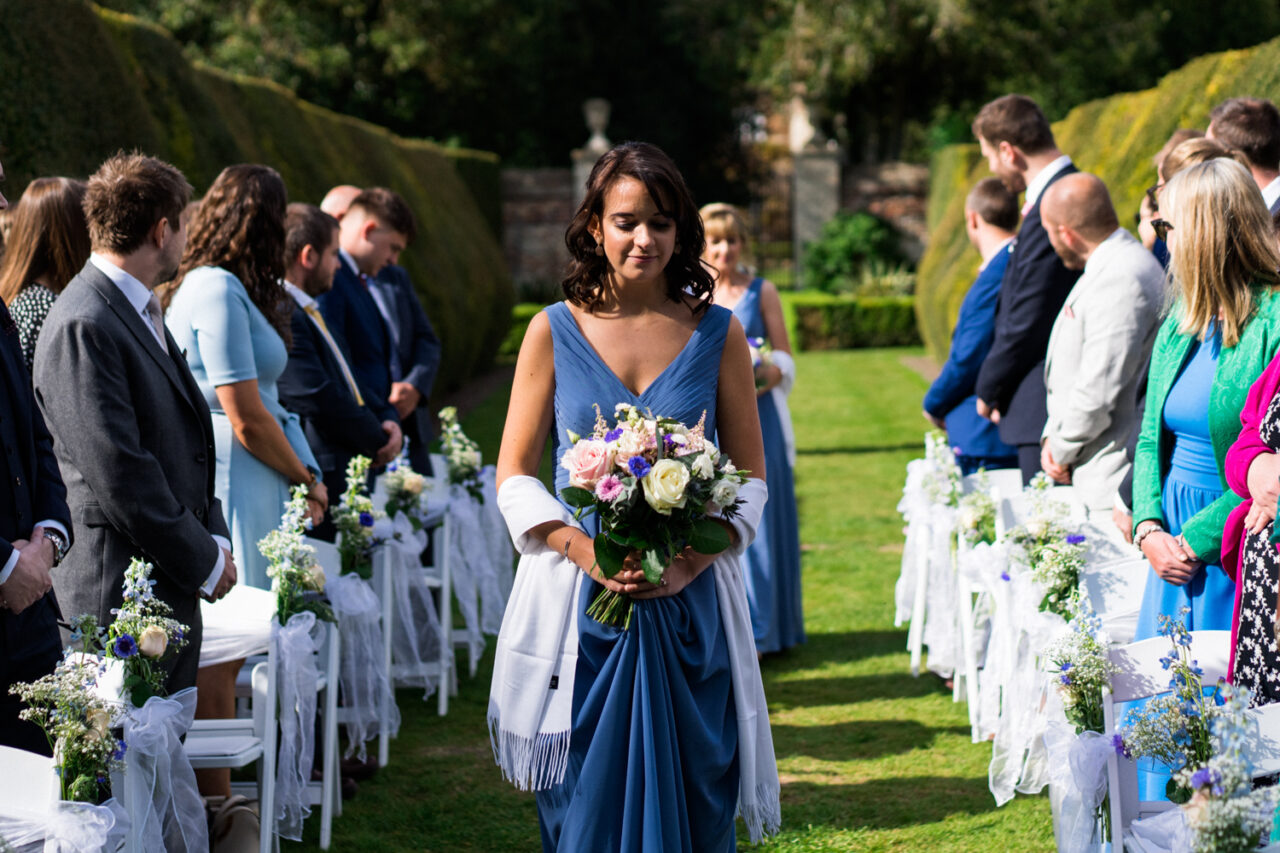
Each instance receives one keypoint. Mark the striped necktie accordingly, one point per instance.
(315, 315)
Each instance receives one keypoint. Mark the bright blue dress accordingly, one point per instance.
(773, 561)
(1193, 482)
(228, 340)
(653, 751)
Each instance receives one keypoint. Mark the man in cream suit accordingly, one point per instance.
(1101, 340)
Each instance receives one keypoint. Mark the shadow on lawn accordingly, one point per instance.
(857, 740)
(884, 803)
(815, 692)
(838, 648)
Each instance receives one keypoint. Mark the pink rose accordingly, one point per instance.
(587, 461)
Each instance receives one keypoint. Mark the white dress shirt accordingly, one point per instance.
(1271, 193)
(1037, 184)
(139, 295)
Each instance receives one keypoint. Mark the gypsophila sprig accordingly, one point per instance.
(976, 514)
(405, 492)
(652, 482)
(1175, 728)
(1225, 814)
(1081, 666)
(461, 454)
(77, 723)
(354, 517)
(942, 476)
(143, 636)
(296, 578)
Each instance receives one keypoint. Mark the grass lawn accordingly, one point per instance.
(870, 758)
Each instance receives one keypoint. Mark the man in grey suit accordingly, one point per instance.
(1252, 127)
(130, 427)
(1100, 341)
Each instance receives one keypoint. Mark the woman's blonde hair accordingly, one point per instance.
(721, 220)
(1223, 246)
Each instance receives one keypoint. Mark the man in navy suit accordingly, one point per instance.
(318, 383)
(34, 536)
(1252, 127)
(1016, 139)
(419, 360)
(991, 217)
(374, 231)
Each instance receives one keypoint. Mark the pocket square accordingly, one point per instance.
(1071, 315)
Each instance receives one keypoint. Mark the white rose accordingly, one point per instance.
(704, 467)
(665, 484)
(969, 518)
(1037, 528)
(153, 641)
(413, 483)
(724, 492)
(711, 449)
(315, 577)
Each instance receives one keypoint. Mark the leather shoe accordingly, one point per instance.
(357, 769)
(349, 788)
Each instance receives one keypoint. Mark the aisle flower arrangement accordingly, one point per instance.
(296, 578)
(942, 483)
(462, 455)
(77, 722)
(976, 514)
(354, 517)
(143, 636)
(1176, 729)
(1081, 666)
(1054, 554)
(405, 492)
(653, 483)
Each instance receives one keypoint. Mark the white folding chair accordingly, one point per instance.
(326, 792)
(1114, 590)
(29, 789)
(922, 529)
(1140, 676)
(239, 742)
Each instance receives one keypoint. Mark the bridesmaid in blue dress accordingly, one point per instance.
(225, 312)
(653, 750)
(773, 560)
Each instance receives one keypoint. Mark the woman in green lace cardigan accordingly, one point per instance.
(1222, 331)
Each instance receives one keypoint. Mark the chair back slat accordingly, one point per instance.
(1141, 675)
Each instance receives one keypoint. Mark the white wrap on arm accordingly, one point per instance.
(784, 362)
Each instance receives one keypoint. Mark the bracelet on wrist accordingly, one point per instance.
(1144, 530)
(567, 542)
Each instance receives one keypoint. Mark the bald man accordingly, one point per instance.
(337, 200)
(1100, 343)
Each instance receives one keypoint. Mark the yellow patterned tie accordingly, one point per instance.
(315, 315)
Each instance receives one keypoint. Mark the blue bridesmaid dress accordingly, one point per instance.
(772, 562)
(653, 751)
(1192, 483)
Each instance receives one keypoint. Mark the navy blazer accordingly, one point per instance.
(419, 351)
(1034, 288)
(314, 388)
(951, 396)
(31, 491)
(356, 324)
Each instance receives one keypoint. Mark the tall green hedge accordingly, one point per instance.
(78, 83)
(1114, 138)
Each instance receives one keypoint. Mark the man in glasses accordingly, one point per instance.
(1100, 342)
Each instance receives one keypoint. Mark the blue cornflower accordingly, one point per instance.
(1205, 777)
(1065, 679)
(118, 755)
(638, 467)
(1117, 743)
(613, 434)
(1074, 539)
(125, 646)
(668, 440)
(1066, 666)
(1004, 576)
(366, 519)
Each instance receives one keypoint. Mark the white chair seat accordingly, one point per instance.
(216, 750)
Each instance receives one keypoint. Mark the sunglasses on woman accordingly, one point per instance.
(1162, 228)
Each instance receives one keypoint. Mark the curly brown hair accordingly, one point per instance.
(240, 227)
(686, 274)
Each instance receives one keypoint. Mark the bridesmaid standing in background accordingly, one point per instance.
(773, 560)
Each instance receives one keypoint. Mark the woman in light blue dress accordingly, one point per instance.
(773, 560)
(228, 312)
(654, 745)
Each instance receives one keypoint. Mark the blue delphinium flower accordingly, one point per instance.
(1117, 743)
(1074, 539)
(638, 467)
(1004, 576)
(125, 646)
(366, 519)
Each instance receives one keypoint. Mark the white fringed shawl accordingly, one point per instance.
(530, 721)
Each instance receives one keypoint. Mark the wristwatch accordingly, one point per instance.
(59, 543)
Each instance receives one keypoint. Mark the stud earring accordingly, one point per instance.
(599, 251)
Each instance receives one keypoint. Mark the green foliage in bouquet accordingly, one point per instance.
(354, 517)
(462, 455)
(143, 636)
(296, 578)
(77, 723)
(1054, 554)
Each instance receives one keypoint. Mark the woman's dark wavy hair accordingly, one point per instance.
(584, 283)
(240, 227)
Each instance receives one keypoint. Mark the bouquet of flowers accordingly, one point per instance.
(461, 454)
(404, 492)
(354, 517)
(77, 722)
(296, 578)
(942, 483)
(976, 515)
(1225, 814)
(143, 636)
(1175, 729)
(761, 356)
(1054, 554)
(1082, 666)
(651, 482)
